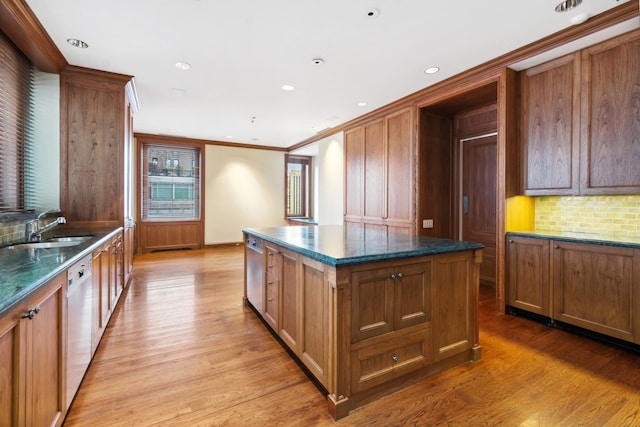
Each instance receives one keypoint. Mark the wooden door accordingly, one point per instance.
(354, 174)
(374, 171)
(412, 299)
(479, 204)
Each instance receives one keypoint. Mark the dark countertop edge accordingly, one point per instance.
(595, 240)
(364, 259)
(84, 249)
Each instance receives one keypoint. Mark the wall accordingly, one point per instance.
(616, 215)
(46, 126)
(329, 181)
(243, 188)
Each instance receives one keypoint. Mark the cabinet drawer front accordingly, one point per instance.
(384, 360)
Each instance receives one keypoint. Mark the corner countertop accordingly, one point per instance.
(341, 246)
(23, 271)
(595, 238)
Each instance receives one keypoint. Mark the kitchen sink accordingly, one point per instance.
(78, 239)
(54, 242)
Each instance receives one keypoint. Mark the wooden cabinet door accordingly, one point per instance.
(315, 312)
(354, 174)
(454, 290)
(290, 301)
(528, 275)
(12, 370)
(45, 382)
(550, 127)
(400, 157)
(412, 295)
(372, 299)
(596, 287)
(374, 170)
(610, 129)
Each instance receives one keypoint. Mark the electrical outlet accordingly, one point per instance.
(427, 223)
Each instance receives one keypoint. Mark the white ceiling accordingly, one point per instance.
(243, 51)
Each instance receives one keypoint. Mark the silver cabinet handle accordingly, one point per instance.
(394, 358)
(399, 275)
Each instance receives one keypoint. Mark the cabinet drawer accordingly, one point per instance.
(273, 261)
(381, 359)
(271, 303)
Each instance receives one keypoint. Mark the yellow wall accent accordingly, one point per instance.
(603, 214)
(520, 213)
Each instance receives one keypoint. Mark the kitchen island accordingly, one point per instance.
(367, 312)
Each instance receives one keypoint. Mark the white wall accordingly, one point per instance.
(243, 188)
(329, 181)
(46, 134)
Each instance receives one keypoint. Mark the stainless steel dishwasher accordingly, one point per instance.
(255, 269)
(79, 303)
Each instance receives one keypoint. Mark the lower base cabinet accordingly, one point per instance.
(592, 286)
(363, 329)
(32, 355)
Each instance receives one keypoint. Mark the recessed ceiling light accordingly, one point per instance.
(431, 70)
(184, 66)
(362, 104)
(229, 136)
(77, 43)
(568, 5)
(318, 61)
(580, 18)
(373, 13)
(288, 87)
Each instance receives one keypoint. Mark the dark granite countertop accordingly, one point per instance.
(22, 271)
(340, 246)
(606, 239)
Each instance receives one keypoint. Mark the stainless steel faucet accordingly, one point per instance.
(33, 231)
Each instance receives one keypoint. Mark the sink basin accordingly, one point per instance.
(78, 239)
(54, 242)
(43, 245)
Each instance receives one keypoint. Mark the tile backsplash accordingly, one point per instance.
(608, 214)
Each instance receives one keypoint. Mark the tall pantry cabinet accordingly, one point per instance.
(380, 173)
(96, 140)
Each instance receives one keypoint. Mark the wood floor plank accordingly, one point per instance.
(182, 350)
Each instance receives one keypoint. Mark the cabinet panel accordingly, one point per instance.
(290, 301)
(595, 288)
(400, 173)
(354, 172)
(412, 299)
(550, 130)
(315, 317)
(372, 313)
(271, 303)
(452, 332)
(11, 366)
(528, 275)
(46, 351)
(374, 170)
(610, 131)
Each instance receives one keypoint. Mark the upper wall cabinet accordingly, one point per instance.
(610, 128)
(380, 173)
(95, 129)
(550, 129)
(580, 128)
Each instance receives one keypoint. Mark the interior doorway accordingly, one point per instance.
(478, 201)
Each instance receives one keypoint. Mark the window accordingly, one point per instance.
(298, 187)
(171, 183)
(16, 74)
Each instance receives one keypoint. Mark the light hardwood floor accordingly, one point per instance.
(181, 350)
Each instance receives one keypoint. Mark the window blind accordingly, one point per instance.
(16, 181)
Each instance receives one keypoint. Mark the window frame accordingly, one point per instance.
(144, 180)
(305, 184)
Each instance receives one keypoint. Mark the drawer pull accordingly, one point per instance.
(32, 313)
(269, 283)
(399, 275)
(269, 299)
(394, 358)
(393, 276)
